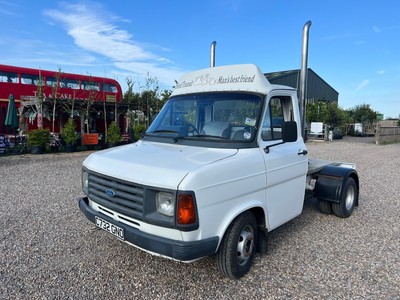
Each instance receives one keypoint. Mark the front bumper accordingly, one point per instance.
(179, 250)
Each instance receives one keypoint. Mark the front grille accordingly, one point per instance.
(127, 199)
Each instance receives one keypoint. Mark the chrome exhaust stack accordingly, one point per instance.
(212, 54)
(302, 92)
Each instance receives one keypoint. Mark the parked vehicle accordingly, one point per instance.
(223, 164)
(25, 83)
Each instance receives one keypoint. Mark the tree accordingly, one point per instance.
(363, 114)
(336, 116)
(39, 101)
(316, 112)
(328, 113)
(113, 134)
(130, 97)
(150, 97)
(143, 106)
(164, 96)
(93, 89)
(54, 92)
(68, 132)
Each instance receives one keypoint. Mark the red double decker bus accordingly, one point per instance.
(26, 84)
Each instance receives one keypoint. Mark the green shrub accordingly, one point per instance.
(113, 134)
(138, 130)
(351, 131)
(337, 133)
(38, 137)
(69, 134)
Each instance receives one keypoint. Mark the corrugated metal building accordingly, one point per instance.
(317, 88)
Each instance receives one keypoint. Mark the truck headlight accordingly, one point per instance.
(165, 203)
(85, 181)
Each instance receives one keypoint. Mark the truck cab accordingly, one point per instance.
(223, 164)
(234, 115)
(227, 144)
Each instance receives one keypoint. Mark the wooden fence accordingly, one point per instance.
(385, 135)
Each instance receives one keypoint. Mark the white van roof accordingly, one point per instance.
(245, 78)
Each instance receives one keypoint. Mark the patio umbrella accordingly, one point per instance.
(11, 117)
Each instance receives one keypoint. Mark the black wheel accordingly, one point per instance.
(324, 206)
(236, 252)
(348, 199)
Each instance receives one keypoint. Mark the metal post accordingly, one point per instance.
(212, 54)
(303, 77)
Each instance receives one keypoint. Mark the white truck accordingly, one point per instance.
(223, 164)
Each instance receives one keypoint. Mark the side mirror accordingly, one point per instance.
(289, 132)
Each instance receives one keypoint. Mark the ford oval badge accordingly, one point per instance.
(110, 193)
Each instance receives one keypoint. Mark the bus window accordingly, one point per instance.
(109, 88)
(90, 86)
(51, 81)
(69, 83)
(30, 79)
(8, 77)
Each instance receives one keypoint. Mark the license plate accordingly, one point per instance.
(109, 227)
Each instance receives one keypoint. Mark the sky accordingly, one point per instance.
(354, 45)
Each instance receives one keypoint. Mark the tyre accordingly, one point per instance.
(348, 199)
(324, 206)
(236, 252)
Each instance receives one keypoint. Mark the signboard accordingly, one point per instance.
(358, 127)
(2, 144)
(110, 98)
(317, 128)
(90, 139)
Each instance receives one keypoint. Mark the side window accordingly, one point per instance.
(279, 110)
(69, 83)
(30, 79)
(109, 88)
(90, 86)
(8, 77)
(51, 81)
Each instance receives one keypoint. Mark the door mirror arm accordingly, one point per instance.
(266, 149)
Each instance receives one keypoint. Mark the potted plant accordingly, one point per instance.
(37, 140)
(139, 129)
(113, 135)
(69, 135)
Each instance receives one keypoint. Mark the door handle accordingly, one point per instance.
(304, 152)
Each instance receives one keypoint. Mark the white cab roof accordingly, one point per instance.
(245, 78)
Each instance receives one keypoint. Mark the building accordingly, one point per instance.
(317, 88)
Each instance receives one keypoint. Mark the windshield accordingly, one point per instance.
(219, 117)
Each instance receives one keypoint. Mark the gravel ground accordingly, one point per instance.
(48, 250)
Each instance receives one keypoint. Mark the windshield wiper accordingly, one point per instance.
(209, 136)
(175, 138)
(163, 131)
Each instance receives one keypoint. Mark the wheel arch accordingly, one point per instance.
(330, 182)
(258, 213)
(354, 175)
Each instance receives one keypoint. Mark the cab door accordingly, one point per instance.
(286, 164)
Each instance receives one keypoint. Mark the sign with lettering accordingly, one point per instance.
(2, 144)
(90, 139)
(317, 128)
(111, 98)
